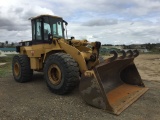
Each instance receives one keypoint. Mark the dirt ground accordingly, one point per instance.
(149, 66)
(33, 100)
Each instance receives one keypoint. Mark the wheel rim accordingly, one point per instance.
(54, 74)
(16, 69)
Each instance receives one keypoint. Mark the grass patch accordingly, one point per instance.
(6, 70)
(7, 58)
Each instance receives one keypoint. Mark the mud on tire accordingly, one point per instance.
(61, 73)
(21, 68)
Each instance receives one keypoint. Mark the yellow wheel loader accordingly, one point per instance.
(111, 84)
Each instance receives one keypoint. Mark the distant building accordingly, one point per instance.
(5, 51)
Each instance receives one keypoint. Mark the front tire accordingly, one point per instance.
(21, 68)
(61, 73)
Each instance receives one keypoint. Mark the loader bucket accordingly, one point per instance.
(114, 84)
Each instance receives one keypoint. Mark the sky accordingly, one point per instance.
(108, 21)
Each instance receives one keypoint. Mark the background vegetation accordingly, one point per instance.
(6, 70)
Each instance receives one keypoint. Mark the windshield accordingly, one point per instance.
(53, 26)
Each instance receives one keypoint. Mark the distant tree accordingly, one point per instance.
(109, 45)
(2, 45)
(150, 46)
(124, 46)
(12, 44)
(6, 42)
(104, 45)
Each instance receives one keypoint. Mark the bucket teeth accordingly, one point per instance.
(115, 55)
(123, 55)
(135, 53)
(130, 52)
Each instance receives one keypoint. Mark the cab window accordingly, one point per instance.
(47, 31)
(38, 30)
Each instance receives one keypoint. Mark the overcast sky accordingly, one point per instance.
(108, 21)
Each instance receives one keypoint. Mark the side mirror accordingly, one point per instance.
(65, 22)
(72, 38)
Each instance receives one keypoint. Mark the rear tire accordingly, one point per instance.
(21, 68)
(61, 73)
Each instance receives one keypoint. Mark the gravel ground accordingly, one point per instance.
(33, 100)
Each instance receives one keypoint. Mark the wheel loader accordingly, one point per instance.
(111, 84)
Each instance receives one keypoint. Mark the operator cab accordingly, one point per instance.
(46, 27)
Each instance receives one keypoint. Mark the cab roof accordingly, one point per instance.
(32, 18)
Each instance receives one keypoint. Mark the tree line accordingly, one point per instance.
(6, 44)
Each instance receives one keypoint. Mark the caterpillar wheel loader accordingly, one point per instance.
(112, 84)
